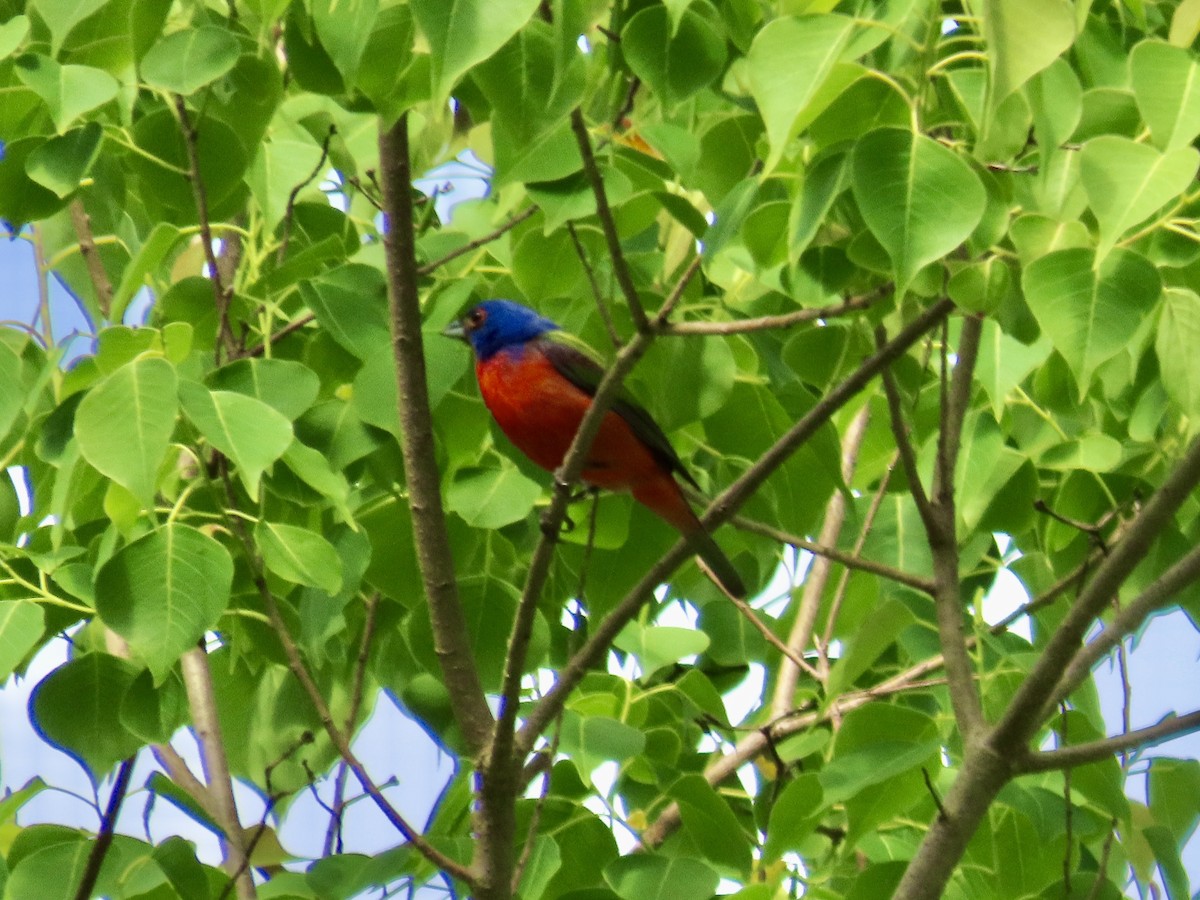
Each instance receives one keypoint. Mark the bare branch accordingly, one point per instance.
(607, 222)
(430, 267)
(1157, 594)
(197, 678)
(849, 560)
(221, 294)
(91, 256)
(104, 837)
(819, 571)
(420, 461)
(1024, 714)
(784, 320)
(1094, 751)
(290, 209)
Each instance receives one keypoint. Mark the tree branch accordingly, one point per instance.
(943, 537)
(784, 725)
(849, 560)
(197, 678)
(221, 294)
(91, 256)
(430, 267)
(784, 320)
(1023, 716)
(104, 838)
(819, 571)
(1157, 594)
(607, 222)
(434, 556)
(1094, 751)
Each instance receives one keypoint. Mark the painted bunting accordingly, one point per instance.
(538, 386)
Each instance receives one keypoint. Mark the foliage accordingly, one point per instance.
(896, 277)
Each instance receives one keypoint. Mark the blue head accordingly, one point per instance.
(494, 325)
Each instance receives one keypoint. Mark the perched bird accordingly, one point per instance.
(538, 387)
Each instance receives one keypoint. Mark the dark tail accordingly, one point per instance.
(665, 498)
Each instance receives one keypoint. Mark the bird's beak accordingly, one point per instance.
(455, 330)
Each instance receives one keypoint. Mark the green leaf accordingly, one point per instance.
(532, 94)
(163, 592)
(343, 27)
(493, 497)
(13, 34)
(51, 872)
(12, 394)
(1179, 348)
(790, 60)
(660, 645)
(462, 33)
(63, 161)
(877, 634)
(147, 259)
(251, 433)
(645, 877)
(794, 815)
(675, 56)
(350, 303)
(1166, 83)
(711, 825)
(21, 627)
(1089, 314)
(1175, 796)
(68, 91)
(75, 709)
(286, 386)
(185, 61)
(300, 556)
(61, 16)
(919, 199)
(1126, 181)
(124, 424)
(1023, 37)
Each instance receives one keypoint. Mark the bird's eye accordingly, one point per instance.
(475, 318)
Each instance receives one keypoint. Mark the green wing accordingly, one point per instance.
(575, 362)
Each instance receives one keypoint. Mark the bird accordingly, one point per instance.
(538, 383)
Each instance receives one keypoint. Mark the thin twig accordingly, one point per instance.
(104, 837)
(290, 209)
(430, 267)
(904, 446)
(933, 792)
(221, 294)
(849, 560)
(597, 294)
(536, 818)
(782, 726)
(291, 327)
(342, 744)
(771, 637)
(820, 570)
(101, 283)
(607, 223)
(784, 320)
